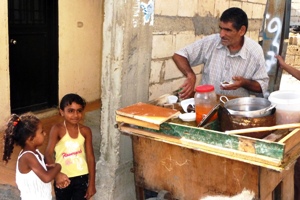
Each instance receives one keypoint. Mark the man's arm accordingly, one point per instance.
(188, 86)
(251, 85)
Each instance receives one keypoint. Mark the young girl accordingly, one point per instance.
(71, 142)
(291, 70)
(33, 176)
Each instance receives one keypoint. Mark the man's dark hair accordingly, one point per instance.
(236, 16)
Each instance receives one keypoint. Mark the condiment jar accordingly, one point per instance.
(205, 99)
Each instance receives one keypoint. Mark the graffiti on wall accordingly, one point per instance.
(275, 30)
(148, 11)
(274, 27)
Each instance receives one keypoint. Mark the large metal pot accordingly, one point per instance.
(233, 122)
(248, 106)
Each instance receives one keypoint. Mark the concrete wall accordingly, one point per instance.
(293, 51)
(293, 55)
(295, 12)
(80, 42)
(127, 44)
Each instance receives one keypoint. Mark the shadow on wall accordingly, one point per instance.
(92, 119)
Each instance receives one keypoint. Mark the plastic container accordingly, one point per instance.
(287, 106)
(205, 99)
(172, 99)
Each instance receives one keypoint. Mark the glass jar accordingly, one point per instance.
(205, 99)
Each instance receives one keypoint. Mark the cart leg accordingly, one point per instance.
(140, 194)
(163, 194)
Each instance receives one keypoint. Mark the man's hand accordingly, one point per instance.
(240, 81)
(237, 82)
(188, 87)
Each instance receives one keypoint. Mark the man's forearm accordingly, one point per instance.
(183, 65)
(252, 85)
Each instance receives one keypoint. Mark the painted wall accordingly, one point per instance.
(80, 47)
(4, 72)
(80, 38)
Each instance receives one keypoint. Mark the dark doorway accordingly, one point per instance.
(33, 54)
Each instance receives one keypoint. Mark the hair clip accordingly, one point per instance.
(15, 123)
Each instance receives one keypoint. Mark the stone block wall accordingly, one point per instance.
(293, 50)
(178, 23)
(295, 12)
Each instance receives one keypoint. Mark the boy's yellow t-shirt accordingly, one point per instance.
(70, 153)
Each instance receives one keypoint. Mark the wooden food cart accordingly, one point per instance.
(192, 163)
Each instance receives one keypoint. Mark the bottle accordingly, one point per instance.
(205, 99)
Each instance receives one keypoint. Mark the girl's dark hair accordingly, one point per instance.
(235, 15)
(68, 99)
(19, 129)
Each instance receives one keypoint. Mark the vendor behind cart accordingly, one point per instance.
(228, 56)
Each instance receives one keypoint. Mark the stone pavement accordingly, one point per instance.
(9, 192)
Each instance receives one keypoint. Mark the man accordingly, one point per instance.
(228, 56)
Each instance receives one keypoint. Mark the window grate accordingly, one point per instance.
(27, 12)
